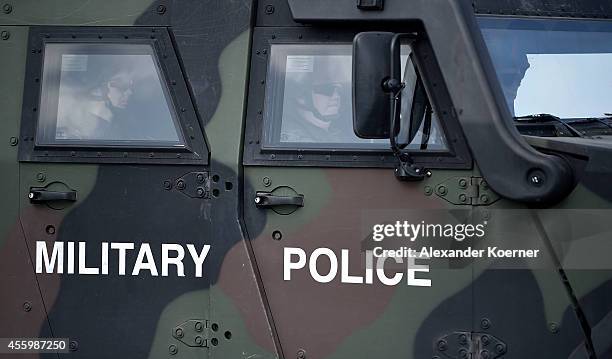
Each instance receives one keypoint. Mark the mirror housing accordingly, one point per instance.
(371, 68)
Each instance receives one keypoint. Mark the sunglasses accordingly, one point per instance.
(121, 85)
(327, 89)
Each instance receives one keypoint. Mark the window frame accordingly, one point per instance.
(194, 149)
(257, 153)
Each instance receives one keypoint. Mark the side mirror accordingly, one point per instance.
(371, 68)
(380, 95)
(382, 99)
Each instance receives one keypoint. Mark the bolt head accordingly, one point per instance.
(200, 192)
(269, 9)
(442, 190)
(428, 190)
(14, 141)
(266, 181)
(301, 354)
(40, 177)
(172, 349)
(180, 184)
(178, 332)
(161, 9)
(462, 183)
(485, 323)
(442, 345)
(27, 306)
(5, 35)
(198, 340)
(167, 185)
(500, 348)
(73, 345)
(485, 340)
(462, 198)
(485, 354)
(198, 326)
(7, 8)
(484, 198)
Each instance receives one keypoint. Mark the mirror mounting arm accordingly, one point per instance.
(405, 170)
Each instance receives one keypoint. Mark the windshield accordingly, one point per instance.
(558, 67)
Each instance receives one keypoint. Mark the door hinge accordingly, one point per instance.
(193, 333)
(192, 184)
(470, 345)
(466, 190)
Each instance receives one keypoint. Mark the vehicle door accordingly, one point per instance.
(313, 184)
(112, 159)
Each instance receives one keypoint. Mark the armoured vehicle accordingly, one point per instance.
(233, 179)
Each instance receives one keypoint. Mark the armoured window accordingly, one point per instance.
(105, 94)
(308, 100)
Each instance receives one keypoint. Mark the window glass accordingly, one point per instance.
(105, 94)
(560, 67)
(308, 99)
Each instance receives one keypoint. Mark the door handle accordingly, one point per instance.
(268, 200)
(41, 195)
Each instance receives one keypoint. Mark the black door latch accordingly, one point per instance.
(41, 195)
(268, 200)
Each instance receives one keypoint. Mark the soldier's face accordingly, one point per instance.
(326, 98)
(120, 91)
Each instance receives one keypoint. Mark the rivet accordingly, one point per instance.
(485, 340)
(485, 323)
(74, 345)
(27, 306)
(269, 9)
(484, 354)
(214, 341)
(266, 181)
(7, 8)
(428, 190)
(40, 177)
(500, 348)
(442, 190)
(463, 353)
(178, 332)
(463, 338)
(199, 340)
(463, 198)
(200, 192)
(161, 9)
(198, 326)
(180, 184)
(462, 183)
(5, 35)
(13, 141)
(301, 354)
(442, 345)
(167, 185)
(484, 198)
(172, 349)
(200, 178)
